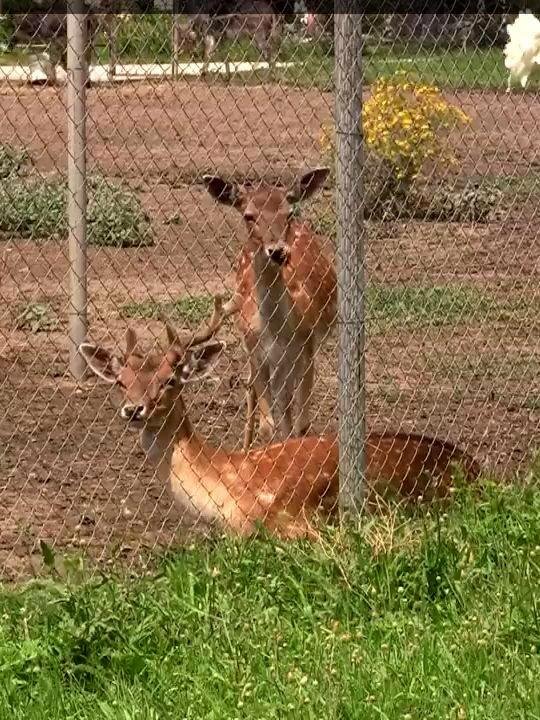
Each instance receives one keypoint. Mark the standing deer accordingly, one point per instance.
(284, 301)
(51, 28)
(282, 485)
(254, 19)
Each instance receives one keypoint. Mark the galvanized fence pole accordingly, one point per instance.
(76, 114)
(175, 38)
(351, 285)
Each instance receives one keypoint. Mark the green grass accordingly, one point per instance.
(453, 69)
(475, 68)
(427, 306)
(480, 68)
(17, 56)
(386, 307)
(426, 616)
(432, 306)
(190, 309)
(148, 39)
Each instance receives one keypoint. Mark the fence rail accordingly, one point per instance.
(405, 272)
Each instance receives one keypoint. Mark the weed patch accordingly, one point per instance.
(191, 310)
(36, 317)
(37, 209)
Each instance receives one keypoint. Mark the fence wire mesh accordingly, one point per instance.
(173, 117)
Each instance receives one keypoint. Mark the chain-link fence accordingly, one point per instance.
(205, 146)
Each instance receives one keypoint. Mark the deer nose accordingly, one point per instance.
(132, 412)
(277, 255)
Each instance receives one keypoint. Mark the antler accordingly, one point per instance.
(131, 341)
(220, 313)
(214, 324)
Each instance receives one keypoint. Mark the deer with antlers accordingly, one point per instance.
(284, 300)
(283, 485)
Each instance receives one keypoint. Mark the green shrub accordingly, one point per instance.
(116, 217)
(33, 209)
(36, 317)
(441, 202)
(472, 203)
(406, 125)
(37, 209)
(12, 160)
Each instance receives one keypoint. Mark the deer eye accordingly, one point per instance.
(249, 217)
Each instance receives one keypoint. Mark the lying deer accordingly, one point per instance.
(284, 300)
(282, 485)
(253, 19)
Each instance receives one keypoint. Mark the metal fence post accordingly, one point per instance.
(351, 287)
(175, 38)
(76, 115)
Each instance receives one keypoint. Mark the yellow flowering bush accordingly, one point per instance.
(404, 123)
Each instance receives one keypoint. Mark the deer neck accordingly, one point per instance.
(274, 300)
(191, 468)
(177, 429)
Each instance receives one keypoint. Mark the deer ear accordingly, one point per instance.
(224, 192)
(198, 362)
(102, 363)
(308, 184)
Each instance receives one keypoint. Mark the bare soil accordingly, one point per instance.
(72, 474)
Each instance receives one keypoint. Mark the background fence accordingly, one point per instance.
(451, 256)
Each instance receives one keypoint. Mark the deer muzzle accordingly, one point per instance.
(278, 254)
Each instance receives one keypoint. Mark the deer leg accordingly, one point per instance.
(251, 402)
(267, 53)
(57, 52)
(209, 46)
(51, 71)
(260, 377)
(112, 31)
(267, 46)
(88, 56)
(281, 381)
(298, 530)
(266, 421)
(305, 388)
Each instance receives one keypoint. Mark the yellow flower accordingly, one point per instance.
(403, 121)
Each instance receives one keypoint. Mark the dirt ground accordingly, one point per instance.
(72, 474)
